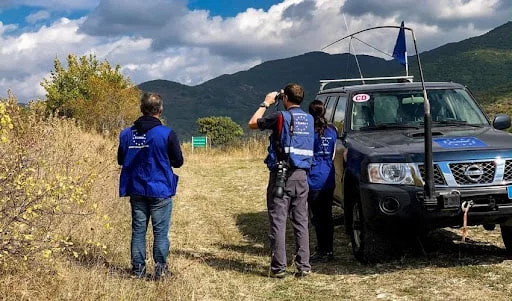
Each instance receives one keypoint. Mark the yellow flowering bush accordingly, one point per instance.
(5, 123)
(46, 175)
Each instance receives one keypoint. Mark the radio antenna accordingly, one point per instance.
(350, 50)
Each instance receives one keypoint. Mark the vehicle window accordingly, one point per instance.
(385, 107)
(339, 113)
(321, 97)
(454, 106)
(329, 106)
(407, 108)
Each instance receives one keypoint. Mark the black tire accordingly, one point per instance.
(349, 198)
(347, 215)
(368, 246)
(506, 235)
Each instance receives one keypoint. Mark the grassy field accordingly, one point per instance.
(219, 250)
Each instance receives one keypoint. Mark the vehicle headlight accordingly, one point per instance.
(394, 173)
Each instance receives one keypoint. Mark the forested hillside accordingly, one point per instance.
(482, 63)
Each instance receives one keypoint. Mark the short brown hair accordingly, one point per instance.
(294, 92)
(151, 104)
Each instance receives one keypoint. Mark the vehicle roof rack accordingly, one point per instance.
(325, 82)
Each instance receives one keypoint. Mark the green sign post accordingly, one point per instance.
(199, 142)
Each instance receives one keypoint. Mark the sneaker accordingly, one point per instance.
(139, 272)
(302, 274)
(161, 271)
(278, 274)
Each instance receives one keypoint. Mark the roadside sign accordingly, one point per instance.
(199, 142)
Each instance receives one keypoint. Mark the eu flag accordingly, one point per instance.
(400, 51)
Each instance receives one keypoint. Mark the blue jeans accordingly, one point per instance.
(159, 209)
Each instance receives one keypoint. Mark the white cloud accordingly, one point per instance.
(38, 16)
(191, 46)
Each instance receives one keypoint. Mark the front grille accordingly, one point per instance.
(438, 175)
(508, 171)
(472, 173)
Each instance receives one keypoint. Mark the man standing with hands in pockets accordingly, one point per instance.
(147, 152)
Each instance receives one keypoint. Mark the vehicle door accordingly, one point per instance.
(338, 120)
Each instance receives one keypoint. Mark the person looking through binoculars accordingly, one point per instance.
(290, 153)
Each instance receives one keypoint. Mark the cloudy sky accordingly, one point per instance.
(191, 41)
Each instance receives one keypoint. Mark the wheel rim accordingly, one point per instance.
(356, 226)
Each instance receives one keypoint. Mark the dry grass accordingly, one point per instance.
(219, 250)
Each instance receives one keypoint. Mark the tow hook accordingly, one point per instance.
(492, 204)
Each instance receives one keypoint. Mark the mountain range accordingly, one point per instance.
(482, 63)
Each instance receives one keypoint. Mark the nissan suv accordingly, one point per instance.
(380, 167)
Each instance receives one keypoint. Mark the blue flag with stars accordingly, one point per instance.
(400, 51)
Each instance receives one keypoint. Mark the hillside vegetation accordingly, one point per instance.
(482, 63)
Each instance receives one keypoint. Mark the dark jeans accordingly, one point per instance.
(292, 204)
(159, 209)
(320, 208)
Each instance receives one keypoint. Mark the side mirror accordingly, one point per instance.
(501, 122)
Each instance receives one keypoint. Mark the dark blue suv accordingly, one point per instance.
(380, 172)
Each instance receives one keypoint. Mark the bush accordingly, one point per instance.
(220, 130)
(45, 178)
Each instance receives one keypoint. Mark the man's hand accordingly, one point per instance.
(270, 99)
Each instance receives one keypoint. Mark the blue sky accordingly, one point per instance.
(192, 41)
(16, 14)
(229, 8)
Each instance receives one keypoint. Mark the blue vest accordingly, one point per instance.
(321, 175)
(146, 168)
(296, 145)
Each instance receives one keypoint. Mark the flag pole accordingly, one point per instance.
(429, 199)
(406, 65)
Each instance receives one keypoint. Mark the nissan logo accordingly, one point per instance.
(474, 173)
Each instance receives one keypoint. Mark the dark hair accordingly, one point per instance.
(294, 92)
(151, 104)
(317, 110)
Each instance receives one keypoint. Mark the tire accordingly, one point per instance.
(368, 246)
(506, 235)
(347, 214)
(349, 198)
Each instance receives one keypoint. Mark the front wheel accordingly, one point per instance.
(368, 245)
(506, 235)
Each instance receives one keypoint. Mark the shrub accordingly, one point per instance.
(45, 178)
(220, 130)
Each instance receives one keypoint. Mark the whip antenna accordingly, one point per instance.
(349, 50)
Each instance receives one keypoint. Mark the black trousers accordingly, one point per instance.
(320, 210)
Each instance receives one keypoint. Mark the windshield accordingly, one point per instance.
(404, 109)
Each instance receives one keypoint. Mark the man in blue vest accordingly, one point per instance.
(290, 154)
(147, 152)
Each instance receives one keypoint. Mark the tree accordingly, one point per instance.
(95, 93)
(220, 130)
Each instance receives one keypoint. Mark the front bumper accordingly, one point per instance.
(491, 205)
